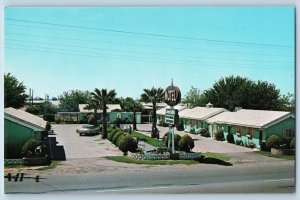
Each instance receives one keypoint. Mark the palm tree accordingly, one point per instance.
(95, 105)
(103, 98)
(154, 96)
(130, 105)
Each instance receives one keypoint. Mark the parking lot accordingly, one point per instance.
(76, 146)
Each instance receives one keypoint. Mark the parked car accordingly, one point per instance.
(88, 130)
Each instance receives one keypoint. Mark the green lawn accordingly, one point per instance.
(269, 154)
(126, 159)
(51, 166)
(149, 140)
(219, 156)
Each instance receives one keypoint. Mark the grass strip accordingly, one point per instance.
(219, 156)
(269, 154)
(149, 140)
(126, 159)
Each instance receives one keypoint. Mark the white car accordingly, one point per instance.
(88, 130)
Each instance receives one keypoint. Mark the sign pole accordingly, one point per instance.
(173, 144)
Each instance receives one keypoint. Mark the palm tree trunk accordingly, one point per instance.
(104, 122)
(95, 117)
(134, 121)
(153, 134)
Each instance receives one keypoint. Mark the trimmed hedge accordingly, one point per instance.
(116, 136)
(29, 147)
(204, 132)
(230, 138)
(220, 135)
(112, 134)
(177, 138)
(127, 143)
(273, 141)
(186, 143)
(120, 138)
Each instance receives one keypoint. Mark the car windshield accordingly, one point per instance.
(88, 126)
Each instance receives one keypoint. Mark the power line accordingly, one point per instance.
(143, 45)
(138, 52)
(172, 39)
(149, 34)
(189, 62)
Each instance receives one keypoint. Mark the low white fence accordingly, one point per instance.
(165, 156)
(13, 161)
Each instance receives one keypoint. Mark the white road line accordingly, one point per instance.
(135, 189)
(287, 179)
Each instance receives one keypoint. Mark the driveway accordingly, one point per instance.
(76, 146)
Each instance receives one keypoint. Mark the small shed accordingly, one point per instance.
(20, 126)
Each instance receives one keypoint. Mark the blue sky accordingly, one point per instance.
(127, 48)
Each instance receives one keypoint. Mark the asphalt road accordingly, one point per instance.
(264, 178)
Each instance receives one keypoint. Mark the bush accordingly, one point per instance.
(263, 147)
(273, 142)
(49, 117)
(116, 136)
(238, 142)
(177, 138)
(186, 143)
(117, 122)
(29, 147)
(230, 138)
(120, 139)
(91, 119)
(293, 143)
(204, 132)
(48, 126)
(220, 135)
(112, 134)
(127, 143)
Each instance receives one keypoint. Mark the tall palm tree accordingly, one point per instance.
(153, 95)
(103, 98)
(95, 105)
(131, 105)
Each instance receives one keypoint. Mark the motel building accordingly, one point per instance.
(254, 126)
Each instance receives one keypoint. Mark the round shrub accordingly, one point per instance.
(180, 126)
(116, 136)
(112, 134)
(186, 143)
(120, 139)
(177, 138)
(273, 141)
(29, 147)
(220, 135)
(230, 138)
(203, 131)
(127, 143)
(293, 143)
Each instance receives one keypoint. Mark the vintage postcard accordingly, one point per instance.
(149, 100)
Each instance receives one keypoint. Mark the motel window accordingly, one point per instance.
(287, 133)
(239, 129)
(249, 131)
